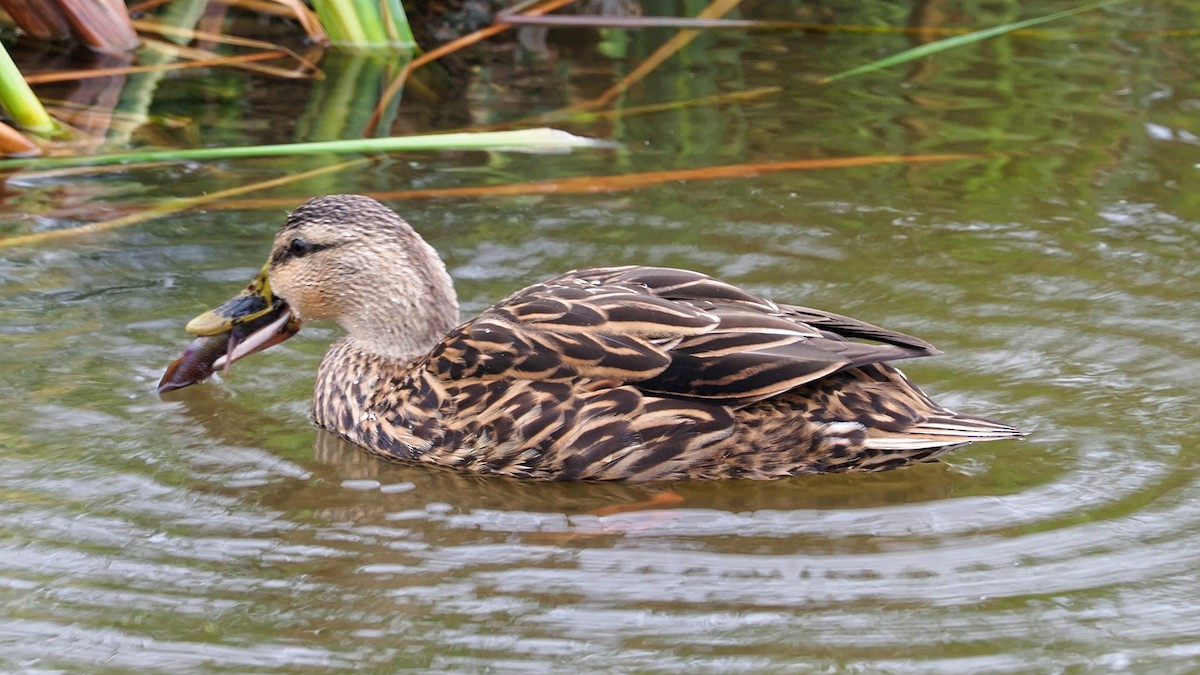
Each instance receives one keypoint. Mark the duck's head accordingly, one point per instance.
(345, 258)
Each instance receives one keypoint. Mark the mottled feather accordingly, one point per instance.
(637, 373)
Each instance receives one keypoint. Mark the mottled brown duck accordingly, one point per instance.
(609, 373)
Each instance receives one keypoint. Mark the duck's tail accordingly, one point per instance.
(929, 440)
(947, 429)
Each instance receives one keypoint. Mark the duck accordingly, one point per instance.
(625, 373)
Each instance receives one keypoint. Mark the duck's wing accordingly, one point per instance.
(669, 332)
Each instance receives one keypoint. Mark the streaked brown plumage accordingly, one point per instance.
(615, 373)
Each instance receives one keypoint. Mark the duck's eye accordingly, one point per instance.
(299, 247)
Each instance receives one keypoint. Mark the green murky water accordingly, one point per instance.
(217, 530)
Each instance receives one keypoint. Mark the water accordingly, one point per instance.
(216, 530)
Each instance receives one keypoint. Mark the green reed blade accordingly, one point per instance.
(340, 22)
(365, 24)
(399, 32)
(366, 13)
(961, 40)
(522, 140)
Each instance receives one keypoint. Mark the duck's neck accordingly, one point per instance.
(399, 318)
(405, 311)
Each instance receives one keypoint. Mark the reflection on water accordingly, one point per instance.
(215, 529)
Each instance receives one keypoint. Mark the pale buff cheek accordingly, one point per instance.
(320, 299)
(304, 293)
(326, 295)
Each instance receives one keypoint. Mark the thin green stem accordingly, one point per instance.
(523, 140)
(960, 40)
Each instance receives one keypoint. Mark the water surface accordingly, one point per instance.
(216, 529)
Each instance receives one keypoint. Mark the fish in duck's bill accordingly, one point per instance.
(247, 323)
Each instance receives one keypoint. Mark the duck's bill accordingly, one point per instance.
(247, 323)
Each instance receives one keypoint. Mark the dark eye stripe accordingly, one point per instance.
(298, 248)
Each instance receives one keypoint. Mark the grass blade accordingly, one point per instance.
(523, 140)
(961, 40)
